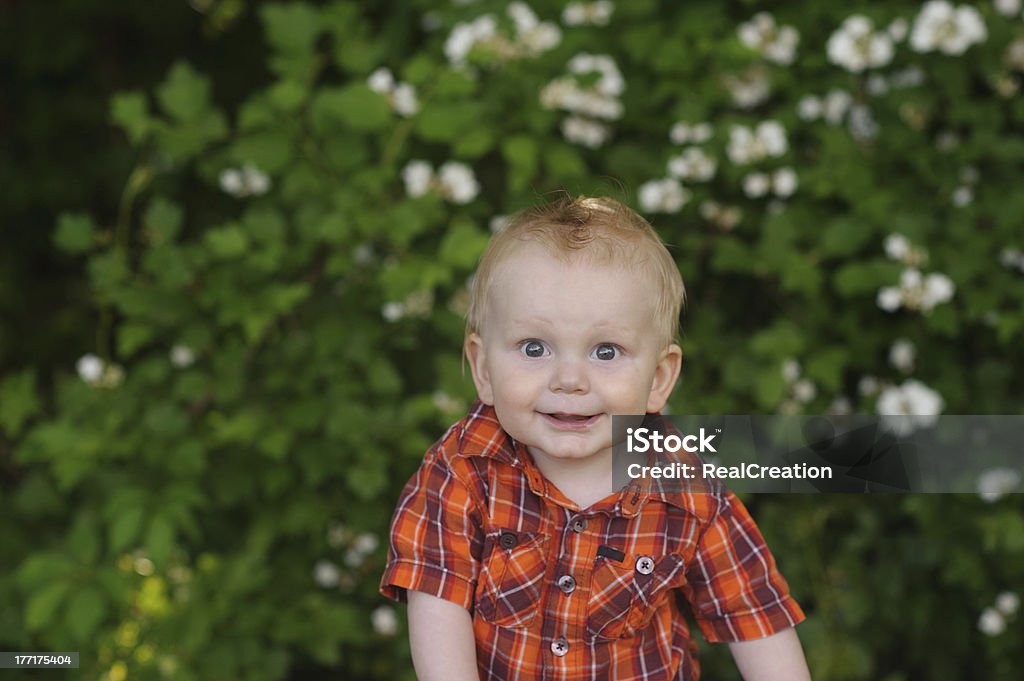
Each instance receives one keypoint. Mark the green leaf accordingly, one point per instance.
(18, 401)
(291, 27)
(74, 232)
(355, 106)
(826, 367)
(85, 610)
(125, 528)
(185, 95)
(130, 110)
(783, 339)
(227, 242)
(43, 605)
(859, 278)
(843, 237)
(462, 245)
(160, 539)
(446, 121)
(522, 153)
(162, 220)
(563, 161)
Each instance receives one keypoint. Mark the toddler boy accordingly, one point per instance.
(517, 558)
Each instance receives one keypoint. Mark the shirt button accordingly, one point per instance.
(579, 525)
(508, 540)
(567, 584)
(645, 565)
(560, 646)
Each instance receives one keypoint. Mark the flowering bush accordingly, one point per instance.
(279, 305)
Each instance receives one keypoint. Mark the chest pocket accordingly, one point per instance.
(625, 594)
(510, 585)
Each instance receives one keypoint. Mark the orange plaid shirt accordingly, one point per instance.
(563, 593)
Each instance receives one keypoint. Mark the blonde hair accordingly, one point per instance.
(600, 229)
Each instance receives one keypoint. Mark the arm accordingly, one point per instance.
(441, 638)
(778, 657)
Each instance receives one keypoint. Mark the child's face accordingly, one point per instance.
(565, 346)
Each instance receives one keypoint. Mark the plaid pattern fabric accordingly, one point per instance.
(560, 593)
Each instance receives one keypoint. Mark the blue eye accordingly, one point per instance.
(606, 351)
(533, 349)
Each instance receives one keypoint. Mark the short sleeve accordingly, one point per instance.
(735, 589)
(435, 539)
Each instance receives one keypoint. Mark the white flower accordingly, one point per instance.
(784, 182)
(837, 103)
(1008, 8)
(991, 622)
(446, 403)
(913, 404)
(403, 100)
(855, 46)
(248, 181)
(582, 13)
(775, 43)
(366, 543)
(862, 123)
(962, 196)
(897, 29)
(790, 370)
(381, 81)
(1007, 602)
(889, 298)
(917, 292)
(498, 223)
(749, 88)
(809, 108)
(693, 164)
(523, 17)
(901, 355)
(912, 76)
(417, 176)
(748, 146)
(182, 356)
(938, 288)
(663, 196)
(90, 368)
(326, 574)
(384, 621)
(392, 311)
(897, 247)
(337, 534)
(877, 85)
(464, 36)
(940, 26)
(867, 386)
(1012, 258)
(255, 181)
(995, 483)
(610, 83)
(683, 132)
(804, 391)
(585, 131)
(840, 406)
(756, 185)
(457, 181)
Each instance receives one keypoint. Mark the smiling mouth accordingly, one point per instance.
(571, 421)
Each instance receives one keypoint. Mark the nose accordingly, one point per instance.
(569, 376)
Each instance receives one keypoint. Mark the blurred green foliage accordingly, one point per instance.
(276, 322)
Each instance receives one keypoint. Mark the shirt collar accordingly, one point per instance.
(482, 435)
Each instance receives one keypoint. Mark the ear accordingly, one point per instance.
(665, 375)
(474, 349)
